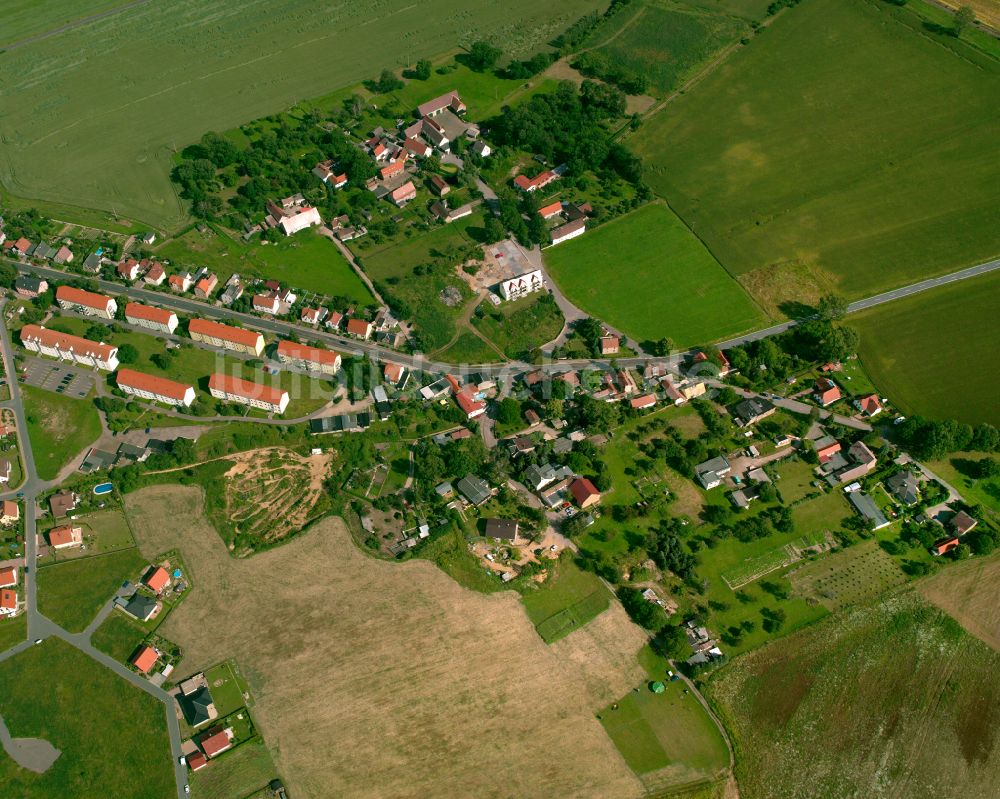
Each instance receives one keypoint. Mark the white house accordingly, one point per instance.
(293, 214)
(520, 285)
(569, 231)
(158, 389)
(69, 348)
(158, 319)
(245, 392)
(86, 302)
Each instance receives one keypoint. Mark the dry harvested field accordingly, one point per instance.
(369, 676)
(968, 592)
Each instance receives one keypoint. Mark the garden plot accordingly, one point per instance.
(756, 567)
(857, 574)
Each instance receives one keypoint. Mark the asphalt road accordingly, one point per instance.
(39, 626)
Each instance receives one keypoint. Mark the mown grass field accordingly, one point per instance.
(519, 327)
(469, 348)
(957, 470)
(666, 42)
(568, 602)
(71, 593)
(892, 694)
(929, 353)
(888, 129)
(239, 773)
(113, 737)
(669, 733)
(306, 261)
(646, 274)
(92, 134)
(23, 19)
(58, 427)
(118, 636)
(13, 631)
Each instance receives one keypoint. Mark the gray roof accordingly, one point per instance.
(749, 409)
(562, 445)
(474, 489)
(718, 465)
(140, 606)
(866, 506)
(444, 489)
(501, 528)
(196, 706)
(28, 283)
(904, 487)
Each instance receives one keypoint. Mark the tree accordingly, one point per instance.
(387, 82)
(493, 231)
(422, 71)
(831, 307)
(482, 56)
(128, 354)
(964, 17)
(642, 612)
(509, 411)
(670, 642)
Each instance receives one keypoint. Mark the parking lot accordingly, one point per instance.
(62, 379)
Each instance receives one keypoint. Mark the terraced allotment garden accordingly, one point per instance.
(846, 146)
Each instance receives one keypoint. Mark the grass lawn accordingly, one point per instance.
(239, 774)
(82, 137)
(113, 737)
(397, 258)
(889, 129)
(25, 18)
(467, 349)
(955, 470)
(119, 637)
(646, 274)
(570, 599)
(227, 687)
(13, 631)
(519, 327)
(668, 730)
(841, 707)
(305, 261)
(926, 352)
(59, 428)
(71, 593)
(666, 44)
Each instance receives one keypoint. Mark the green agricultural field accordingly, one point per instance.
(666, 43)
(894, 693)
(13, 631)
(519, 327)
(669, 733)
(926, 352)
(112, 736)
(118, 636)
(566, 603)
(26, 19)
(846, 147)
(646, 274)
(88, 133)
(59, 428)
(71, 593)
(305, 261)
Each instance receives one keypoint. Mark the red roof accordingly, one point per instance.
(66, 342)
(265, 302)
(11, 509)
(391, 169)
(155, 385)
(236, 335)
(8, 576)
(550, 210)
(215, 743)
(246, 388)
(645, 401)
(358, 327)
(306, 353)
(135, 310)
(827, 391)
(145, 659)
(582, 490)
(197, 761)
(393, 372)
(468, 403)
(825, 453)
(158, 580)
(63, 536)
(8, 599)
(22, 245)
(404, 191)
(81, 297)
(946, 545)
(871, 404)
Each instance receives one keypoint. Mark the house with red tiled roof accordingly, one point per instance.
(395, 168)
(159, 319)
(227, 337)
(451, 101)
(156, 579)
(215, 742)
(246, 392)
(944, 546)
(64, 255)
(67, 347)
(128, 269)
(469, 404)
(403, 194)
(539, 181)
(313, 316)
(181, 282)
(65, 537)
(869, 406)
(361, 328)
(266, 303)
(826, 448)
(197, 761)
(609, 344)
(550, 210)
(204, 287)
(155, 275)
(89, 303)
(8, 601)
(145, 658)
(962, 523)
(312, 358)
(584, 492)
(645, 401)
(395, 374)
(826, 392)
(155, 388)
(10, 512)
(8, 576)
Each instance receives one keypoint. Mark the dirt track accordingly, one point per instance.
(968, 592)
(376, 679)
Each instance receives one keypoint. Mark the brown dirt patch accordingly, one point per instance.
(377, 679)
(688, 500)
(987, 11)
(968, 592)
(604, 650)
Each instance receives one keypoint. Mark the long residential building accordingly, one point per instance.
(311, 358)
(71, 298)
(230, 338)
(151, 387)
(66, 347)
(246, 392)
(158, 319)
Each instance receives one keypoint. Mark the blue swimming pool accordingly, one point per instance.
(103, 488)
